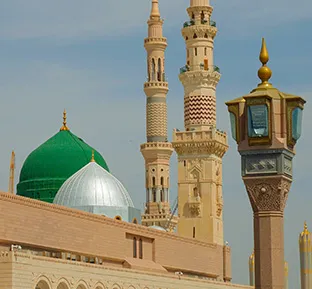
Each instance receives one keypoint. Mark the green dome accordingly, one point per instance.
(52, 163)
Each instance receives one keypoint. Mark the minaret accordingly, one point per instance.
(305, 250)
(157, 150)
(200, 147)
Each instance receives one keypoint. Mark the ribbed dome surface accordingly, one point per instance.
(52, 163)
(158, 228)
(93, 186)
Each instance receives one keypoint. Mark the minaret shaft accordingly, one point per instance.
(157, 150)
(201, 146)
(305, 249)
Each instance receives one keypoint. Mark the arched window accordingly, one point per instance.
(162, 181)
(135, 221)
(194, 232)
(195, 36)
(195, 192)
(140, 249)
(134, 247)
(154, 182)
(118, 218)
(195, 51)
(159, 70)
(153, 70)
(193, 16)
(202, 15)
(205, 51)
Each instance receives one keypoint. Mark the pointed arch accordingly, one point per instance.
(81, 285)
(159, 72)
(43, 283)
(153, 70)
(63, 284)
(99, 285)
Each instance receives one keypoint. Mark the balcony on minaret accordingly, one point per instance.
(201, 66)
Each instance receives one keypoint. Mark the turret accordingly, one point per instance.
(157, 150)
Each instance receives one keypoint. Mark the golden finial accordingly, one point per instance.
(64, 127)
(264, 73)
(92, 157)
(305, 226)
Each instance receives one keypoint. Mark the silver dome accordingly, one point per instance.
(158, 228)
(93, 186)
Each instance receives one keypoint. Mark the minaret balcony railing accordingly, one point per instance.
(187, 68)
(203, 21)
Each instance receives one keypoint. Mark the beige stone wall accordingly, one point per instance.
(35, 224)
(30, 272)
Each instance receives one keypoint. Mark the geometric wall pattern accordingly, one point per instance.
(156, 119)
(199, 109)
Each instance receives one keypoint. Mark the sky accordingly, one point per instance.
(88, 57)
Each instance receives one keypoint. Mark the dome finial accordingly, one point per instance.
(92, 157)
(64, 127)
(305, 226)
(264, 73)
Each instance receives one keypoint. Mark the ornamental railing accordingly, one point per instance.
(212, 68)
(203, 21)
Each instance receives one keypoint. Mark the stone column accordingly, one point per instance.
(268, 196)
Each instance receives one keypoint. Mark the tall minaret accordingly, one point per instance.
(157, 150)
(305, 249)
(200, 147)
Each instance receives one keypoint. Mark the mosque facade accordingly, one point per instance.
(72, 223)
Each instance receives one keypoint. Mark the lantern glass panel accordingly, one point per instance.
(233, 125)
(258, 120)
(296, 123)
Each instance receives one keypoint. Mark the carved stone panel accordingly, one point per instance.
(267, 194)
(270, 162)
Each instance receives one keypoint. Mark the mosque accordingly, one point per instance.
(72, 224)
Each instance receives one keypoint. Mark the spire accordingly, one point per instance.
(305, 228)
(155, 10)
(92, 157)
(64, 127)
(264, 73)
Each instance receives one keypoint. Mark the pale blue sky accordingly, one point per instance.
(88, 57)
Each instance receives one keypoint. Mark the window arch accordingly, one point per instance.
(159, 70)
(195, 36)
(118, 218)
(134, 221)
(134, 247)
(153, 69)
(195, 51)
(162, 181)
(154, 181)
(140, 249)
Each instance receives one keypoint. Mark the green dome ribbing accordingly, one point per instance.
(52, 163)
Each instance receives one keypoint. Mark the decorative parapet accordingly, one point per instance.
(201, 30)
(155, 149)
(200, 77)
(200, 142)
